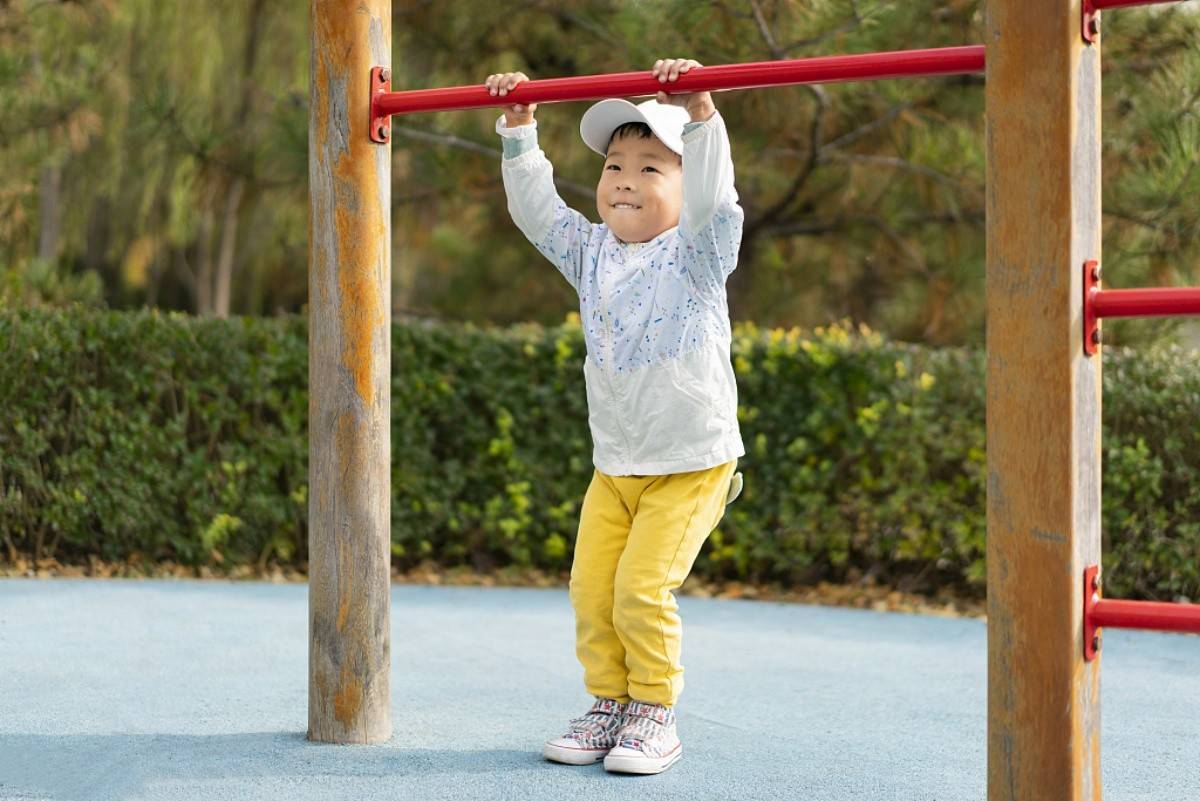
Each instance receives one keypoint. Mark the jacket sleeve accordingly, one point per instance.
(710, 223)
(560, 233)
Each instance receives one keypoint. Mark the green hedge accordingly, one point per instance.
(150, 437)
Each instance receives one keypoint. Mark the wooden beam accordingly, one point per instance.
(1043, 401)
(349, 369)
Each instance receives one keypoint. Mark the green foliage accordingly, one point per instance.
(178, 128)
(152, 434)
(863, 457)
(1151, 491)
(170, 437)
(43, 283)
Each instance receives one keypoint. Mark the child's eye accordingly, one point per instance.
(651, 169)
(613, 167)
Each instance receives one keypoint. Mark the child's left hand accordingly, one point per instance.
(698, 104)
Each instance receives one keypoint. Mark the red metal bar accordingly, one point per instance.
(1100, 5)
(1092, 8)
(825, 69)
(1147, 615)
(1152, 302)
(1151, 615)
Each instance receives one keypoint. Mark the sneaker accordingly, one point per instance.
(590, 737)
(647, 743)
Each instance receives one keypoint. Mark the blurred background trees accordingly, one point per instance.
(154, 154)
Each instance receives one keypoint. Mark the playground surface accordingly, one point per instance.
(129, 689)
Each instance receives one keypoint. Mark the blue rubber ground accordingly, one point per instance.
(197, 690)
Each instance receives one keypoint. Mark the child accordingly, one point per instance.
(662, 401)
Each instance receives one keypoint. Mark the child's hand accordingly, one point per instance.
(698, 104)
(501, 84)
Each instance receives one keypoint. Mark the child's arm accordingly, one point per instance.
(710, 223)
(557, 231)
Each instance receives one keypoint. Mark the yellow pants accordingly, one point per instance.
(638, 538)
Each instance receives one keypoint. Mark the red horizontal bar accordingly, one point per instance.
(825, 69)
(1154, 302)
(1102, 4)
(1146, 615)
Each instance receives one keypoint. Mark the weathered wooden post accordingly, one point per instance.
(1043, 401)
(349, 368)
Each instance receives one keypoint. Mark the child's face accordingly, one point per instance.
(641, 188)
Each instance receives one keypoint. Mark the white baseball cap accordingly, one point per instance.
(602, 119)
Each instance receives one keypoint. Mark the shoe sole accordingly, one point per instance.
(642, 765)
(573, 756)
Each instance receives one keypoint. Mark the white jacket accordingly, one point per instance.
(660, 388)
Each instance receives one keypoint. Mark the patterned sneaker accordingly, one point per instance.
(647, 743)
(590, 737)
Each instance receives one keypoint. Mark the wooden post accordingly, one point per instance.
(349, 369)
(1043, 401)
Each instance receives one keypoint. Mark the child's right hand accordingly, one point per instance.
(501, 84)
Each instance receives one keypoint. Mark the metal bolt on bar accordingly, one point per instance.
(963, 60)
(1152, 302)
(1152, 615)
(1092, 9)
(381, 125)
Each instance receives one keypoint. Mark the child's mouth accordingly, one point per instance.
(625, 206)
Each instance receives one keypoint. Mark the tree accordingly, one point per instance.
(162, 146)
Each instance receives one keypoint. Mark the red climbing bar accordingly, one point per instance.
(1151, 302)
(1090, 13)
(1100, 5)
(1152, 615)
(824, 69)
(1146, 615)
(1154, 302)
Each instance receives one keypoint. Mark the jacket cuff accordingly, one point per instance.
(695, 130)
(517, 140)
(528, 160)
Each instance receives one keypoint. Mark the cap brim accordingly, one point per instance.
(602, 119)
